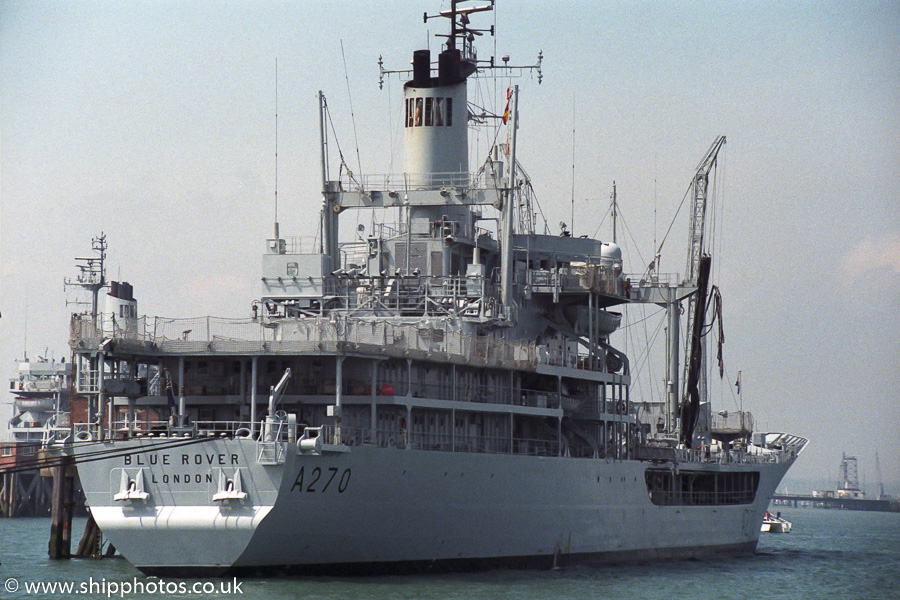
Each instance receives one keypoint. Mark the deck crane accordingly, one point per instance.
(697, 276)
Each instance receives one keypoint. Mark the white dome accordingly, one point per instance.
(610, 251)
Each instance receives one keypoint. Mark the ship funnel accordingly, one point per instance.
(436, 122)
(449, 68)
(421, 68)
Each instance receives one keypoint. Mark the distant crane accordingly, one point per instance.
(881, 495)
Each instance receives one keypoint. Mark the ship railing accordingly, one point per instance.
(434, 441)
(480, 393)
(420, 440)
(717, 455)
(88, 381)
(484, 393)
(231, 429)
(107, 326)
(58, 435)
(86, 432)
(601, 279)
(300, 244)
(416, 181)
(662, 280)
(540, 398)
(337, 333)
(737, 421)
(413, 295)
(271, 446)
(585, 358)
(139, 426)
(41, 385)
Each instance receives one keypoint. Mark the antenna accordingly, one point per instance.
(614, 211)
(352, 114)
(276, 149)
(572, 222)
(26, 324)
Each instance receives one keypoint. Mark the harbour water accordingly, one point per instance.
(829, 554)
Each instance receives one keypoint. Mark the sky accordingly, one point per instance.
(154, 122)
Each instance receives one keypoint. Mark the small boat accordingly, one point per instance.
(775, 524)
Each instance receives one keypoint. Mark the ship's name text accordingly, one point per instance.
(152, 458)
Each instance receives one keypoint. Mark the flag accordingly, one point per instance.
(170, 395)
(737, 383)
(506, 110)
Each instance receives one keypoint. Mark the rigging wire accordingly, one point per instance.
(352, 114)
(636, 247)
(672, 222)
(602, 221)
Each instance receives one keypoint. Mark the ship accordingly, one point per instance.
(41, 398)
(438, 392)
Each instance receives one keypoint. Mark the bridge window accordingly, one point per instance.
(429, 112)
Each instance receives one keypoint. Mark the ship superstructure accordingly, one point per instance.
(442, 391)
(41, 398)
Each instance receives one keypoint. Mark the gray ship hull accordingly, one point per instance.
(374, 509)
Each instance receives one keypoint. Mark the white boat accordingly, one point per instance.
(430, 404)
(775, 524)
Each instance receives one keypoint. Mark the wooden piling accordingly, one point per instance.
(89, 546)
(61, 509)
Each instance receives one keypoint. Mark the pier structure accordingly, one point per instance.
(836, 502)
(23, 491)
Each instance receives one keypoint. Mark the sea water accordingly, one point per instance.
(829, 554)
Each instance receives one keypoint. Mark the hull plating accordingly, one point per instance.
(385, 509)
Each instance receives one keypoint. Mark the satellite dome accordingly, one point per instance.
(610, 251)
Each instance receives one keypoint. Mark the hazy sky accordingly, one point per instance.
(154, 122)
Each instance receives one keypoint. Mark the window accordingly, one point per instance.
(429, 112)
(439, 112)
(292, 269)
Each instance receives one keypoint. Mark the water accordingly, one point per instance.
(829, 554)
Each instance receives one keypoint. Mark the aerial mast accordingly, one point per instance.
(614, 210)
(92, 273)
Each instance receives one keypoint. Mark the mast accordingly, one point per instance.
(93, 273)
(330, 210)
(507, 214)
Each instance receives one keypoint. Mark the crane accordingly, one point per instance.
(698, 208)
(697, 275)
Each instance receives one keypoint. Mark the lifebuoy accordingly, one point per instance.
(620, 408)
(243, 432)
(84, 436)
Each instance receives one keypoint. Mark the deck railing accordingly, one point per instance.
(212, 335)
